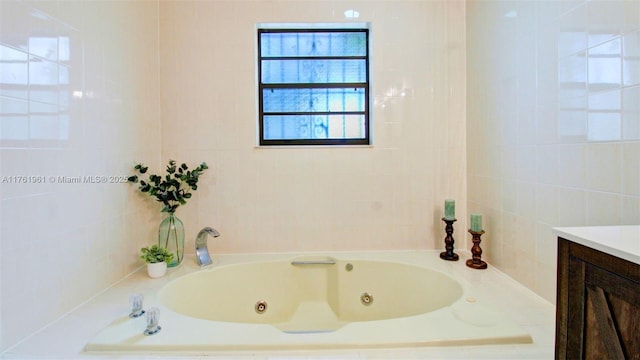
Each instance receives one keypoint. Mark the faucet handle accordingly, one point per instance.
(136, 305)
(153, 317)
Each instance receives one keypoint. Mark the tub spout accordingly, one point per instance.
(202, 252)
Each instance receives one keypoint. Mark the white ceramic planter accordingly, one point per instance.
(156, 270)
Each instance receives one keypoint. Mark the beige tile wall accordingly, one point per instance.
(93, 108)
(553, 125)
(551, 135)
(389, 196)
(79, 99)
(88, 88)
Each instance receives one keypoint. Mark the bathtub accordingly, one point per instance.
(343, 300)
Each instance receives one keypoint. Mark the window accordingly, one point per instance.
(313, 86)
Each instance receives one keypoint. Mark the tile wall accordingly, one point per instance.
(533, 121)
(552, 135)
(79, 101)
(389, 196)
(553, 124)
(83, 91)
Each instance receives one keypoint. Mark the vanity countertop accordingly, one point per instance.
(621, 241)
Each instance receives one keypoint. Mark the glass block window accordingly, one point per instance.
(313, 86)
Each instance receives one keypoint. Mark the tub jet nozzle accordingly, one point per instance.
(261, 306)
(366, 299)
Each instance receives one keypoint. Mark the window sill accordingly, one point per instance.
(313, 147)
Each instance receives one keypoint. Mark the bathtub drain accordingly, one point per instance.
(261, 306)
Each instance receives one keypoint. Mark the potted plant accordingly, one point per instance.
(157, 259)
(172, 190)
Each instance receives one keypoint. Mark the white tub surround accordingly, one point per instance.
(67, 337)
(619, 241)
(418, 301)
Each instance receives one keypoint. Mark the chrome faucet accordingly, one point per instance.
(202, 252)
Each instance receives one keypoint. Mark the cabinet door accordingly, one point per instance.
(598, 305)
(612, 315)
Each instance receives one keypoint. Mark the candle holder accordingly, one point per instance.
(476, 262)
(448, 241)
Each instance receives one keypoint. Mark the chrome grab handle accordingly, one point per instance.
(313, 262)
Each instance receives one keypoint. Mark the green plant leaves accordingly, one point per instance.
(155, 254)
(141, 168)
(172, 190)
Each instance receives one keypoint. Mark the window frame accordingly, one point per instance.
(366, 86)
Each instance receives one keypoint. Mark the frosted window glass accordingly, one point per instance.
(314, 86)
(337, 43)
(315, 100)
(293, 127)
(313, 71)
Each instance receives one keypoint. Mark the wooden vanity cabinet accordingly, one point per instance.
(598, 305)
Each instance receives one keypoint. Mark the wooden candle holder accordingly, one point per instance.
(448, 241)
(476, 252)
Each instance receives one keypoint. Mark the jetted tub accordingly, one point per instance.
(305, 302)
